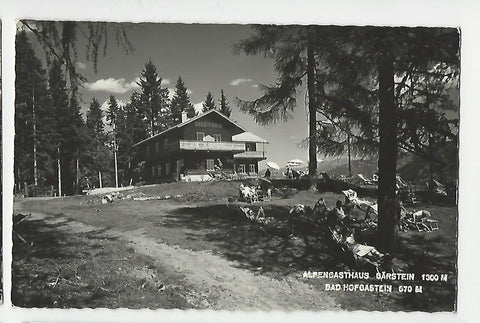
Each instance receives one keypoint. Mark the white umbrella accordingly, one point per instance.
(295, 163)
(273, 165)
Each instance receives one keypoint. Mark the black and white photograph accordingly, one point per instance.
(235, 167)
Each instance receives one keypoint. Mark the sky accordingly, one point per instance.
(203, 55)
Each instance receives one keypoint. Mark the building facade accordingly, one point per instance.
(200, 147)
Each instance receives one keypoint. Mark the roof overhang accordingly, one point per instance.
(248, 137)
(180, 125)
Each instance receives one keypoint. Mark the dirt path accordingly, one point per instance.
(215, 282)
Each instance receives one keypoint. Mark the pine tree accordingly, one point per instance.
(390, 115)
(351, 75)
(134, 132)
(293, 50)
(59, 40)
(153, 100)
(66, 136)
(94, 118)
(209, 103)
(79, 141)
(181, 103)
(33, 149)
(224, 107)
(97, 151)
(112, 114)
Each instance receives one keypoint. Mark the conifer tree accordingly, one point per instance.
(112, 115)
(64, 133)
(33, 119)
(97, 151)
(224, 107)
(181, 103)
(153, 100)
(209, 103)
(94, 118)
(362, 75)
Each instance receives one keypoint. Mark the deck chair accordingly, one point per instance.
(326, 176)
(366, 256)
(432, 224)
(365, 180)
(260, 196)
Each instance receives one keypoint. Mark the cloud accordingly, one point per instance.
(198, 107)
(255, 85)
(112, 85)
(81, 66)
(239, 81)
(165, 81)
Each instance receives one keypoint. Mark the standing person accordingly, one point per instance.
(268, 173)
(289, 173)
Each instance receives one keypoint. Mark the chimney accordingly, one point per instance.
(184, 116)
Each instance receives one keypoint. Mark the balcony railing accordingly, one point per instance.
(250, 154)
(211, 145)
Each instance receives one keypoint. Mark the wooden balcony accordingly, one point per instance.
(251, 155)
(211, 145)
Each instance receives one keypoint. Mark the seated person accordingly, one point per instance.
(246, 192)
(339, 212)
(368, 207)
(259, 217)
(417, 218)
(359, 250)
(421, 217)
(241, 191)
(336, 215)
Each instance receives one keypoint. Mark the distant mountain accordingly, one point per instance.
(339, 166)
(411, 168)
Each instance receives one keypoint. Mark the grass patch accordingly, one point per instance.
(203, 220)
(56, 269)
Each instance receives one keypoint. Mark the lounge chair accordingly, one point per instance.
(365, 180)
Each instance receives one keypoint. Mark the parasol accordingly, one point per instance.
(273, 165)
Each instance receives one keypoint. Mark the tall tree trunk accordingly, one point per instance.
(35, 171)
(77, 173)
(115, 157)
(312, 109)
(387, 160)
(349, 155)
(59, 169)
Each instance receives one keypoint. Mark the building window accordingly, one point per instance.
(207, 124)
(241, 169)
(251, 168)
(157, 147)
(148, 150)
(153, 171)
(210, 164)
(167, 169)
(217, 136)
(200, 135)
(165, 143)
(159, 170)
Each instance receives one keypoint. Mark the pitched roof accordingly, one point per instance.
(180, 125)
(248, 137)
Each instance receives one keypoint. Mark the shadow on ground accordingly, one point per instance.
(53, 267)
(275, 254)
(258, 248)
